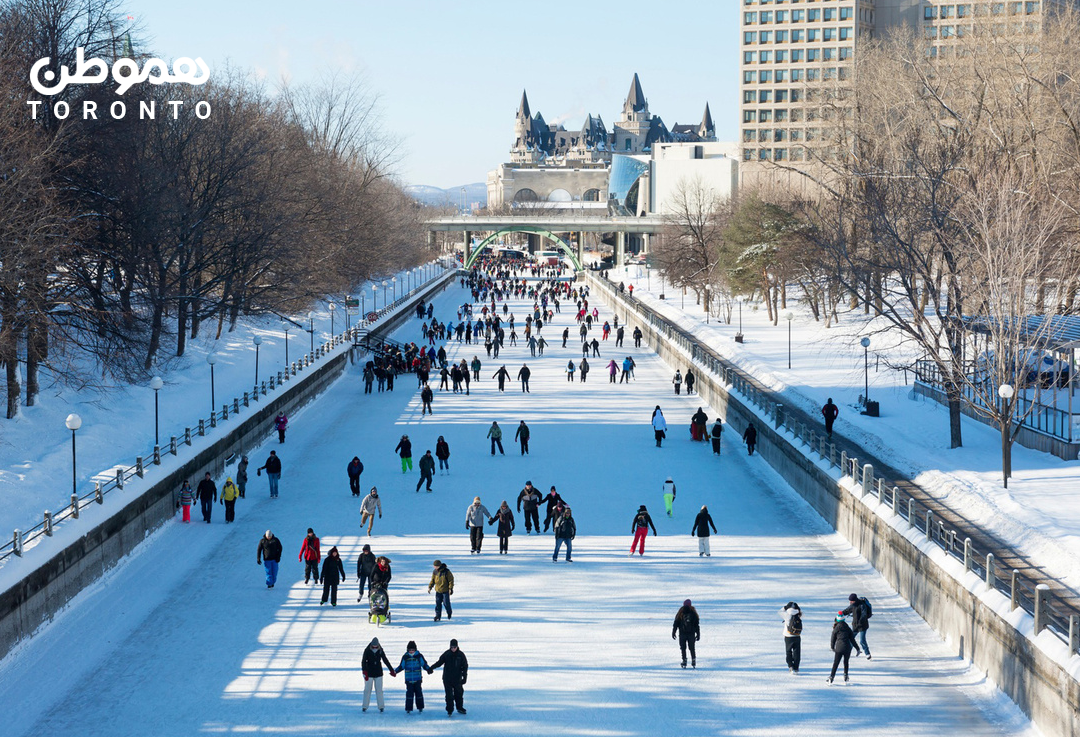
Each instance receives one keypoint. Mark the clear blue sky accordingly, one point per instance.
(450, 75)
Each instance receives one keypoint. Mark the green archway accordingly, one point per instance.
(563, 246)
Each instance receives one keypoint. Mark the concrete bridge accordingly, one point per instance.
(549, 227)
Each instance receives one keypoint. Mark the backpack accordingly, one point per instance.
(795, 625)
(641, 521)
(869, 610)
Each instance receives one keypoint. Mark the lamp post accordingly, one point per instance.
(363, 307)
(156, 383)
(311, 331)
(393, 280)
(790, 316)
(286, 345)
(463, 210)
(865, 343)
(384, 302)
(73, 422)
(332, 308)
(257, 340)
(374, 297)
(212, 359)
(1006, 392)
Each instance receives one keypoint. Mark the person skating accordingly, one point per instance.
(861, 611)
(413, 666)
(365, 564)
(522, 436)
(523, 376)
(475, 515)
(454, 676)
(242, 476)
(699, 425)
(207, 493)
(354, 469)
(792, 616)
(570, 370)
(333, 573)
(702, 523)
(637, 337)
(659, 426)
(565, 532)
(677, 381)
(475, 365)
(427, 470)
(442, 580)
(687, 627)
(830, 412)
(381, 574)
(229, 494)
(620, 333)
(613, 370)
(554, 503)
(187, 498)
(668, 490)
(404, 451)
(426, 395)
(749, 437)
(280, 423)
(583, 369)
(273, 472)
(841, 642)
(310, 555)
(371, 665)
(442, 452)
(269, 557)
(565, 336)
(717, 431)
(502, 375)
(690, 379)
(541, 344)
(495, 433)
(531, 498)
(640, 527)
(505, 518)
(368, 508)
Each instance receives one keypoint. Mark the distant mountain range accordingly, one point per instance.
(475, 195)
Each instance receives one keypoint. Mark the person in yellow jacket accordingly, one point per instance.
(229, 494)
(442, 580)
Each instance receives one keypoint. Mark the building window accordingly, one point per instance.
(764, 95)
(842, 74)
(812, 54)
(930, 32)
(845, 53)
(766, 76)
(749, 116)
(765, 36)
(781, 37)
(748, 77)
(766, 16)
(765, 116)
(846, 13)
(748, 97)
(781, 95)
(796, 76)
(795, 135)
(749, 37)
(781, 75)
(929, 12)
(796, 95)
(811, 75)
(779, 116)
(764, 154)
(845, 33)
(797, 153)
(779, 154)
(781, 16)
(1014, 8)
(748, 57)
(812, 35)
(947, 11)
(627, 146)
(796, 56)
(997, 8)
(781, 57)
(749, 18)
(796, 115)
(797, 16)
(830, 73)
(764, 135)
(765, 57)
(829, 34)
(748, 154)
(748, 135)
(829, 15)
(813, 15)
(947, 31)
(1031, 7)
(796, 36)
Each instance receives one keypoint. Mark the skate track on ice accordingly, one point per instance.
(183, 638)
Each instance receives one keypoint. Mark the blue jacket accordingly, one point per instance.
(413, 666)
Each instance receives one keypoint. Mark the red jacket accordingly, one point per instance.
(309, 551)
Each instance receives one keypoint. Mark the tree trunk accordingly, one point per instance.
(36, 351)
(156, 321)
(9, 353)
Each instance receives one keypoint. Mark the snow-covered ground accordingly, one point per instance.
(118, 421)
(1040, 511)
(184, 638)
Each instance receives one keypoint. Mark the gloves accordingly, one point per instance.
(466, 525)
(430, 671)
(429, 589)
(365, 675)
(258, 472)
(672, 635)
(463, 679)
(393, 673)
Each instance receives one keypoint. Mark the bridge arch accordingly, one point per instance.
(559, 242)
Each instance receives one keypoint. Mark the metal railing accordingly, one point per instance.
(120, 475)
(1050, 613)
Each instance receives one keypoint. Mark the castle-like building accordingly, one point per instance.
(549, 163)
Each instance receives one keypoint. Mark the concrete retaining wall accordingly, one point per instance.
(1039, 685)
(47, 589)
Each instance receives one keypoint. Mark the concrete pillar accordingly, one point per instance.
(581, 247)
(645, 244)
(431, 239)
(468, 245)
(620, 249)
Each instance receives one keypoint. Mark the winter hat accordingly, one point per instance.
(411, 645)
(476, 499)
(269, 534)
(686, 603)
(367, 548)
(310, 531)
(853, 597)
(669, 478)
(374, 491)
(437, 563)
(641, 508)
(528, 483)
(840, 617)
(453, 643)
(374, 643)
(333, 551)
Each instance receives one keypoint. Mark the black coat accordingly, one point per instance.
(206, 490)
(455, 666)
(700, 418)
(857, 610)
(750, 434)
(273, 464)
(642, 519)
(269, 549)
(355, 468)
(687, 622)
(843, 639)
(566, 528)
(371, 662)
(505, 520)
(404, 448)
(365, 565)
(380, 576)
(524, 373)
(442, 450)
(702, 523)
(333, 572)
(427, 464)
(531, 498)
(522, 432)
